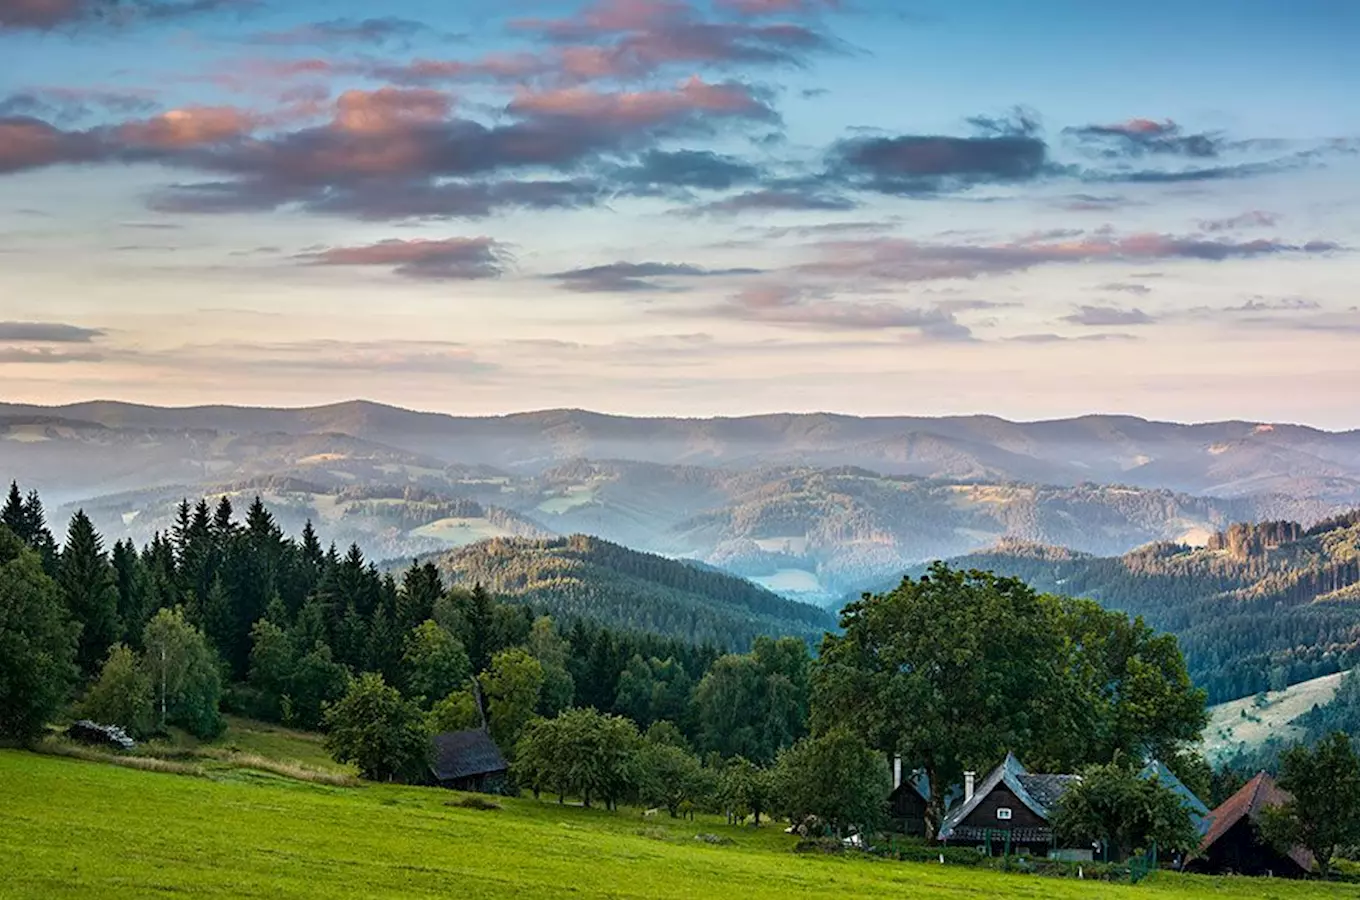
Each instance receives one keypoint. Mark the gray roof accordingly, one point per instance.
(1199, 812)
(1038, 792)
(466, 754)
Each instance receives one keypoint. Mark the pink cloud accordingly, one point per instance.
(189, 127)
(644, 108)
(451, 259)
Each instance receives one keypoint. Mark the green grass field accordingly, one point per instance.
(71, 828)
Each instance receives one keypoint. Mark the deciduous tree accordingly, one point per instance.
(1324, 813)
(37, 642)
(378, 730)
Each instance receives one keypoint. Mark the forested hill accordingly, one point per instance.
(1260, 606)
(587, 577)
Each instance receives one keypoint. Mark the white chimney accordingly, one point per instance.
(897, 772)
(968, 779)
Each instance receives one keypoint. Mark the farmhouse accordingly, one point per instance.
(909, 799)
(468, 761)
(1233, 845)
(1010, 810)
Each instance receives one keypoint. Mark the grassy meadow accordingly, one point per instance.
(72, 827)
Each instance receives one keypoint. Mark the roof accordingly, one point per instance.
(466, 754)
(1199, 812)
(919, 782)
(1038, 792)
(1258, 794)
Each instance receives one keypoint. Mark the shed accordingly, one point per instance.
(1233, 842)
(468, 761)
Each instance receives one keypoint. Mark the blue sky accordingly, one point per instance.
(685, 207)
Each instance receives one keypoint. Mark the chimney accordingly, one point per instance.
(897, 772)
(968, 779)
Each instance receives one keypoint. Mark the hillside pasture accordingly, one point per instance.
(70, 828)
(1249, 722)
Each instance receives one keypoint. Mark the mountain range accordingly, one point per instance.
(809, 505)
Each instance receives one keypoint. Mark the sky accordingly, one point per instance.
(685, 207)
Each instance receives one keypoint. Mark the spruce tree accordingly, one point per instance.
(12, 516)
(87, 585)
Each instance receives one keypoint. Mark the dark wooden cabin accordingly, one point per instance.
(907, 806)
(1233, 844)
(468, 761)
(1011, 803)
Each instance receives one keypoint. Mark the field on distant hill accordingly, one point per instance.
(1249, 722)
(70, 828)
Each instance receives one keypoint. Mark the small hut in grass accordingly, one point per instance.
(468, 761)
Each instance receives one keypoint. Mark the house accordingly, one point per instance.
(1199, 812)
(909, 799)
(1012, 808)
(468, 761)
(1233, 844)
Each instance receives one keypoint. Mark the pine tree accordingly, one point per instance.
(12, 516)
(222, 525)
(87, 584)
(421, 588)
(39, 537)
(135, 596)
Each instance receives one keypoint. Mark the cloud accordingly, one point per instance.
(1141, 137)
(800, 306)
(777, 7)
(449, 259)
(1108, 316)
(47, 333)
(1050, 338)
(66, 105)
(1253, 219)
(901, 260)
(25, 355)
(638, 38)
(1005, 150)
(698, 169)
(643, 109)
(333, 32)
(624, 277)
(43, 15)
(771, 199)
(1125, 287)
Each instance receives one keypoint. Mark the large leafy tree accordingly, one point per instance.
(753, 704)
(950, 670)
(669, 776)
(185, 674)
(1324, 813)
(582, 752)
(511, 687)
(122, 695)
(434, 662)
(378, 730)
(1112, 803)
(745, 788)
(836, 777)
(553, 652)
(87, 584)
(37, 642)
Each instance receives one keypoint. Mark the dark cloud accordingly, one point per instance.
(1141, 137)
(450, 259)
(772, 199)
(67, 105)
(700, 169)
(801, 306)
(1005, 150)
(47, 333)
(626, 278)
(45, 15)
(333, 32)
(894, 259)
(1254, 219)
(24, 355)
(1093, 202)
(1108, 316)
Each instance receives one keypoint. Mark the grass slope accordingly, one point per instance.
(1247, 723)
(76, 829)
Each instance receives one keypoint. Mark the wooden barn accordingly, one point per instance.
(909, 799)
(1233, 843)
(468, 761)
(1010, 809)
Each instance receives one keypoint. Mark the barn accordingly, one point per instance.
(1233, 843)
(468, 761)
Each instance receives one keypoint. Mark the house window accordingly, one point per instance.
(1003, 813)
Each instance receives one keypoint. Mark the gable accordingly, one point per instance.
(1001, 807)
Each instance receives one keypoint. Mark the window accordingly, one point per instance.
(1003, 813)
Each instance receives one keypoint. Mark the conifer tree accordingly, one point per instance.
(87, 585)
